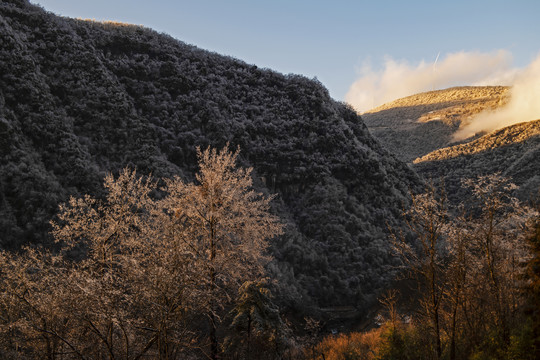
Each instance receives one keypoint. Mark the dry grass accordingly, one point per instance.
(506, 136)
(362, 346)
(419, 124)
(462, 93)
(111, 24)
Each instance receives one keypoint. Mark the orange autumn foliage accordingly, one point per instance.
(362, 346)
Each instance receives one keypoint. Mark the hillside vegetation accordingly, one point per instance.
(513, 151)
(416, 125)
(80, 99)
(419, 129)
(161, 201)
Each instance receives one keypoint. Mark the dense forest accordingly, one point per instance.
(162, 201)
(179, 272)
(80, 99)
(474, 268)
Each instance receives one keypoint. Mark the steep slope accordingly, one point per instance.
(513, 151)
(416, 125)
(79, 99)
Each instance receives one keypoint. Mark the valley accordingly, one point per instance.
(158, 200)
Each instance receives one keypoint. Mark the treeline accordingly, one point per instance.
(475, 274)
(177, 270)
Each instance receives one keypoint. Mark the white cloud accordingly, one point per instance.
(524, 105)
(400, 78)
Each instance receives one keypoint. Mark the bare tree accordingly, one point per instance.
(389, 300)
(499, 247)
(424, 256)
(485, 263)
(457, 272)
(32, 322)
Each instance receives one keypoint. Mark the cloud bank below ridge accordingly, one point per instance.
(398, 79)
(524, 105)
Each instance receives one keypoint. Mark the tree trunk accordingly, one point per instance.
(213, 337)
(213, 320)
(438, 334)
(248, 337)
(453, 334)
(435, 296)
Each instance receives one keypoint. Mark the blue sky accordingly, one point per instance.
(332, 40)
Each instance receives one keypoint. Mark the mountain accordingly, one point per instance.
(79, 99)
(420, 128)
(513, 151)
(413, 126)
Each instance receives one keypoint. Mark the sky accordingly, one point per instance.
(362, 51)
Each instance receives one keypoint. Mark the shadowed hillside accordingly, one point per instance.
(513, 151)
(420, 128)
(79, 99)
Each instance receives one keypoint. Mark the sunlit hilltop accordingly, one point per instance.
(416, 125)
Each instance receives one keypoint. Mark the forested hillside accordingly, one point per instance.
(79, 99)
(420, 130)
(513, 151)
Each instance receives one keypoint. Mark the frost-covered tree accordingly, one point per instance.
(457, 271)
(426, 219)
(226, 225)
(500, 250)
(256, 324)
(145, 269)
(469, 265)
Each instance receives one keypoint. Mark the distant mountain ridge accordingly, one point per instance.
(420, 129)
(415, 125)
(79, 99)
